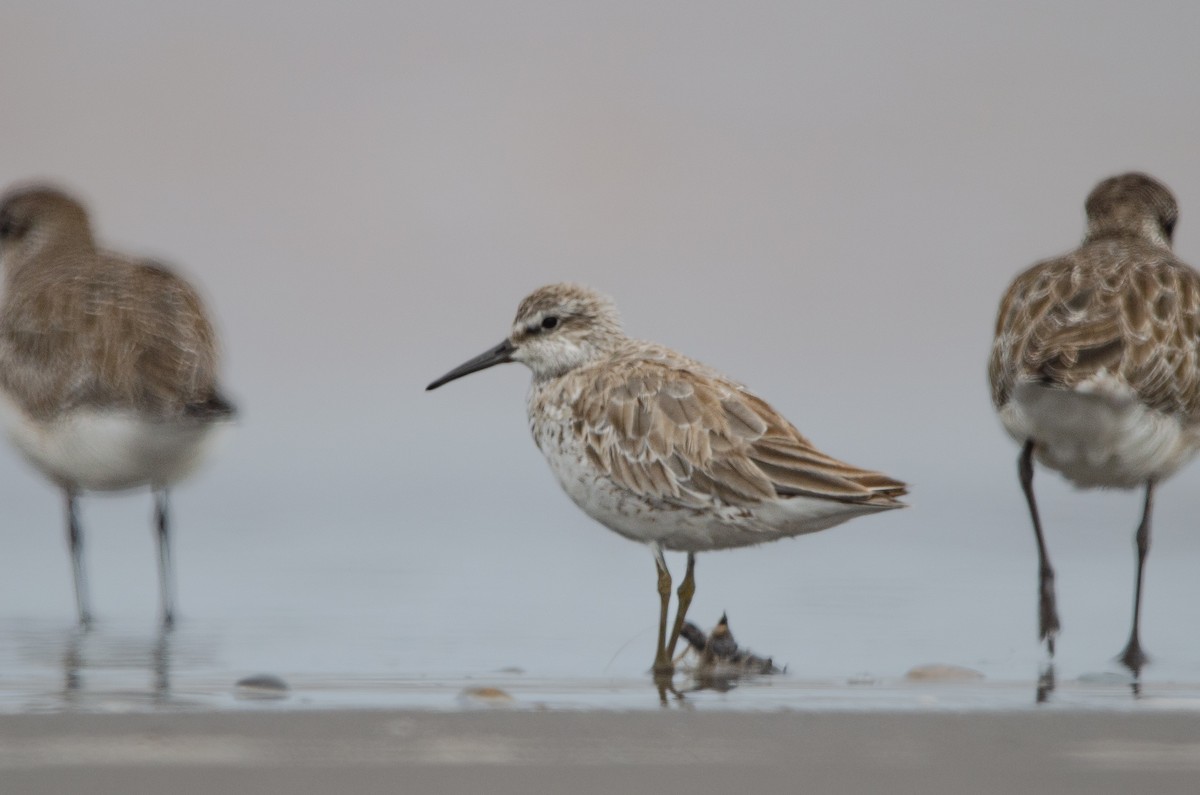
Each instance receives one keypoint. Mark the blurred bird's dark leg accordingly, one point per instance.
(1048, 625)
(166, 579)
(75, 542)
(687, 589)
(1133, 657)
(663, 667)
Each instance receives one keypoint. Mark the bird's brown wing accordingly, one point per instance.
(1128, 309)
(691, 438)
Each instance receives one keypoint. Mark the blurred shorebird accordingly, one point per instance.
(1094, 369)
(664, 450)
(108, 367)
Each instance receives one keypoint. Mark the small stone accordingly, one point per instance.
(485, 697)
(264, 686)
(937, 672)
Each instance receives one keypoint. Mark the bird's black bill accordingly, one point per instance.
(499, 355)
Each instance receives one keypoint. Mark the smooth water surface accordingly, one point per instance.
(566, 619)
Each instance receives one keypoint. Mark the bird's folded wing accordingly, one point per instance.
(1066, 321)
(116, 338)
(692, 439)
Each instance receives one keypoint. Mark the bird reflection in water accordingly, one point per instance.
(87, 649)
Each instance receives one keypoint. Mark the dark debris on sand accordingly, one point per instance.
(718, 655)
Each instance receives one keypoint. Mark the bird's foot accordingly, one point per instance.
(1133, 658)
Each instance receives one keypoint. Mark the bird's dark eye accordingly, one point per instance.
(1169, 227)
(8, 226)
(549, 322)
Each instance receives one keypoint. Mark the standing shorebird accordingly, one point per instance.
(107, 367)
(664, 450)
(1095, 370)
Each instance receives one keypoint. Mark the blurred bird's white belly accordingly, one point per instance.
(1099, 434)
(108, 451)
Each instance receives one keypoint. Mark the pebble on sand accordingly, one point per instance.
(262, 686)
(936, 672)
(485, 697)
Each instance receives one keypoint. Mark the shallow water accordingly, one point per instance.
(367, 625)
(52, 668)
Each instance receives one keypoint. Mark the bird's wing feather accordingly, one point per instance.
(691, 438)
(1130, 310)
(127, 335)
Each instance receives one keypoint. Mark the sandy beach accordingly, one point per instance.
(595, 752)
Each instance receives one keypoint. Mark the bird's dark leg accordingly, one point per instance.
(687, 589)
(166, 582)
(663, 667)
(75, 542)
(1133, 657)
(1048, 625)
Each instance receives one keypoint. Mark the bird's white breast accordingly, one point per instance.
(1099, 434)
(98, 450)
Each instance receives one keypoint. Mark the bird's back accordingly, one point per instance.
(1095, 357)
(1117, 309)
(97, 330)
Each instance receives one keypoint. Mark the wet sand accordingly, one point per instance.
(524, 752)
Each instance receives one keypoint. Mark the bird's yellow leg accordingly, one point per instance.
(662, 660)
(687, 589)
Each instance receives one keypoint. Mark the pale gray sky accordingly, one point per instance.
(823, 199)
